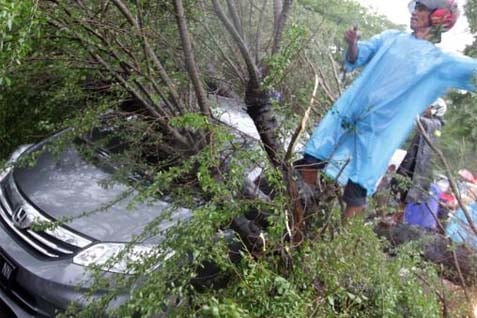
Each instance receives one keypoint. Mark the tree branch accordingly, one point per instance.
(277, 9)
(258, 31)
(228, 61)
(299, 130)
(162, 72)
(251, 67)
(280, 25)
(335, 74)
(326, 88)
(168, 104)
(235, 18)
(189, 58)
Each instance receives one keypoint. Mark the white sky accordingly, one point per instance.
(396, 10)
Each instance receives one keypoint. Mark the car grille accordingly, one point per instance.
(39, 242)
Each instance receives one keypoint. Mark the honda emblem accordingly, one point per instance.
(21, 219)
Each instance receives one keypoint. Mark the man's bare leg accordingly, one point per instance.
(352, 211)
(310, 176)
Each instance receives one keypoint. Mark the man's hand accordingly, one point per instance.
(351, 37)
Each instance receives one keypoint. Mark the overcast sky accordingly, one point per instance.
(396, 10)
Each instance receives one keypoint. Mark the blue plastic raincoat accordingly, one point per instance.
(459, 229)
(403, 75)
(424, 214)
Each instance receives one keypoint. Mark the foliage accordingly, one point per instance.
(343, 275)
(18, 27)
(471, 14)
(459, 134)
(361, 281)
(19, 33)
(134, 46)
(278, 63)
(40, 97)
(347, 276)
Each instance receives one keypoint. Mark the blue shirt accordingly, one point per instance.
(403, 75)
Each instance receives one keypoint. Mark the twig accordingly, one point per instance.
(335, 73)
(325, 87)
(228, 60)
(242, 46)
(162, 72)
(461, 277)
(299, 130)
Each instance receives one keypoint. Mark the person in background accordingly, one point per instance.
(458, 228)
(467, 185)
(403, 74)
(417, 164)
(424, 214)
(447, 201)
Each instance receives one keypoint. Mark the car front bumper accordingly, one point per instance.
(9, 308)
(34, 286)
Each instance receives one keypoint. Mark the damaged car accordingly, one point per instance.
(59, 215)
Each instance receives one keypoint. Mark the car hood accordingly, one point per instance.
(67, 186)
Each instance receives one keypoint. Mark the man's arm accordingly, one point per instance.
(352, 37)
(460, 72)
(360, 53)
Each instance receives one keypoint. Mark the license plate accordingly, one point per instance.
(7, 270)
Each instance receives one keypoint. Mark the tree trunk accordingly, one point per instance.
(259, 107)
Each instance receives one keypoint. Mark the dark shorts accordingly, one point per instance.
(353, 195)
(313, 162)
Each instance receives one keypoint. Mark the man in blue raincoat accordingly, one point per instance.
(404, 73)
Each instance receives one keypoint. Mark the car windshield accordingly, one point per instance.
(108, 147)
(106, 136)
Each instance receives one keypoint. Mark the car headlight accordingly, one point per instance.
(115, 257)
(4, 171)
